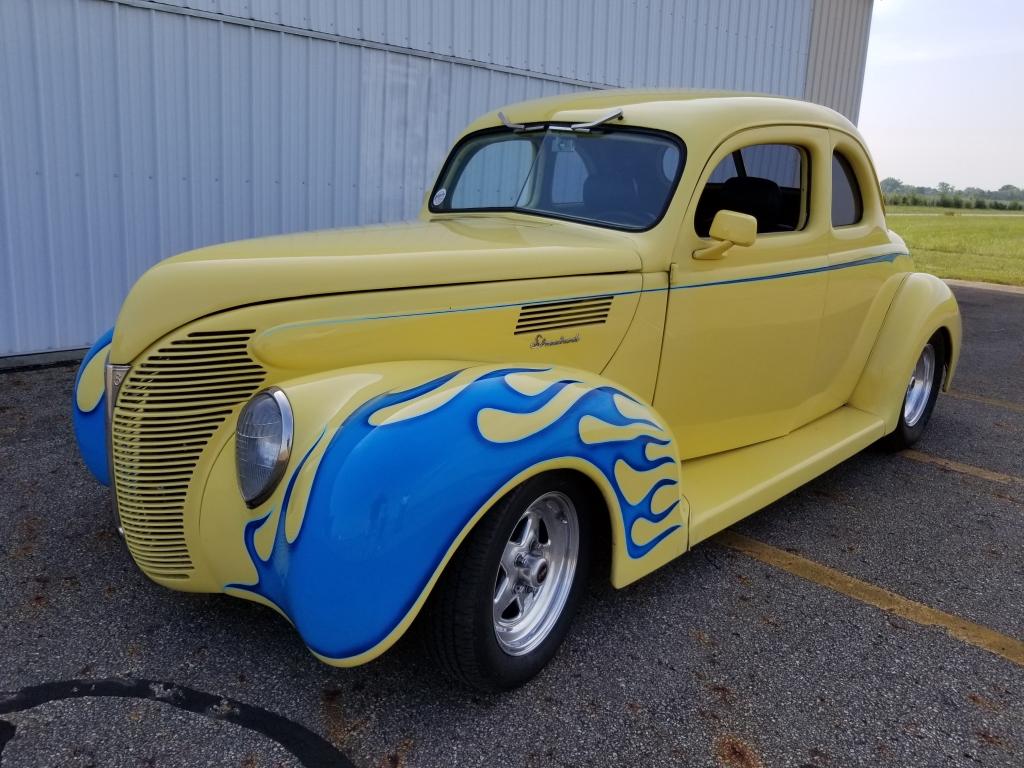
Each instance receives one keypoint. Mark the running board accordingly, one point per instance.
(726, 487)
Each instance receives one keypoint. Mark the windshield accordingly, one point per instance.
(621, 177)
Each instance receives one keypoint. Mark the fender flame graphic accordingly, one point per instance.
(407, 471)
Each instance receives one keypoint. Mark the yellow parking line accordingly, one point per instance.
(977, 635)
(959, 467)
(1005, 404)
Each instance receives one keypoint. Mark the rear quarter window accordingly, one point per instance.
(847, 204)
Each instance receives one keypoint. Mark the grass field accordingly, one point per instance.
(986, 246)
(936, 211)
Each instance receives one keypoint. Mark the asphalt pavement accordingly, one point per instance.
(718, 659)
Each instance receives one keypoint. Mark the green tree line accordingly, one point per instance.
(943, 195)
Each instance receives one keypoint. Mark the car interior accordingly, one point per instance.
(620, 178)
(763, 181)
(624, 182)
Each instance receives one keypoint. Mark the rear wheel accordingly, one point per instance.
(922, 391)
(505, 602)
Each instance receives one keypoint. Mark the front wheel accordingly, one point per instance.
(922, 391)
(504, 604)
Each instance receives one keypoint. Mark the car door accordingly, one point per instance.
(742, 332)
(864, 272)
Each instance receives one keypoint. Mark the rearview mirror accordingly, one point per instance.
(729, 228)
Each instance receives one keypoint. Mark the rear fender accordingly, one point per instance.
(393, 465)
(922, 305)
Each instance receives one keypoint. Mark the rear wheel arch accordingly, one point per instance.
(921, 394)
(923, 306)
(947, 354)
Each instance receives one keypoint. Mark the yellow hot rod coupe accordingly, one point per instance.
(624, 319)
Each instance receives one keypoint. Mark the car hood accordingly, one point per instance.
(423, 253)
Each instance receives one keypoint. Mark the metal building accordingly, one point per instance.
(131, 130)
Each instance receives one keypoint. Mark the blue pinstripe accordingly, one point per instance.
(888, 257)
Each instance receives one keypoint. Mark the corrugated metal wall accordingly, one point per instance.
(839, 51)
(130, 131)
(609, 42)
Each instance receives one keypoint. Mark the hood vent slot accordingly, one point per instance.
(570, 313)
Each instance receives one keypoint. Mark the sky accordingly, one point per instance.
(944, 92)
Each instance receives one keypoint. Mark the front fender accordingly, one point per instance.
(382, 491)
(922, 305)
(88, 414)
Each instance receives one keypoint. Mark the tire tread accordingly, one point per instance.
(452, 631)
(905, 436)
(449, 619)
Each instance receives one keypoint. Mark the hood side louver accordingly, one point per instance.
(570, 313)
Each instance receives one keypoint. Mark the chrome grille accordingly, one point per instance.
(167, 410)
(563, 314)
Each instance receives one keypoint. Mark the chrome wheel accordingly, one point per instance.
(536, 573)
(919, 391)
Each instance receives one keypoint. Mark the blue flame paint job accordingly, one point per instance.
(387, 502)
(91, 426)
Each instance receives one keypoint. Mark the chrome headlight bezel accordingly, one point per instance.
(283, 453)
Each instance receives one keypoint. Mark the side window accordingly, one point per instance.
(724, 170)
(847, 204)
(766, 181)
(495, 175)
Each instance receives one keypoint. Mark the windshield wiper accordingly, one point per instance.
(615, 114)
(519, 127)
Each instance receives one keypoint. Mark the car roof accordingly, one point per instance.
(678, 111)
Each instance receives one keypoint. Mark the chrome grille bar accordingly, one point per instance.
(169, 406)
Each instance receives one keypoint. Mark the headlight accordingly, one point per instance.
(263, 443)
